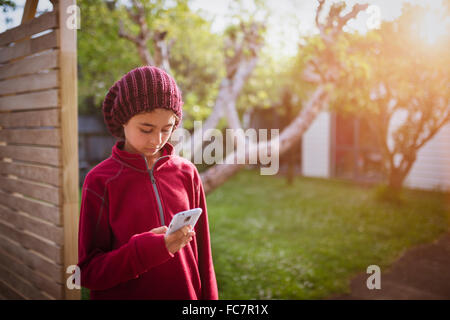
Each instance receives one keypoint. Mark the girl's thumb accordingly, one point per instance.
(159, 230)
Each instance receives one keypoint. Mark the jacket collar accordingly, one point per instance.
(136, 160)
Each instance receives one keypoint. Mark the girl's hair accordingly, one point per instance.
(177, 119)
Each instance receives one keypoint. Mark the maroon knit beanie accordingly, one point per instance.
(141, 90)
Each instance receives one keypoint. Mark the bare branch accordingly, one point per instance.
(433, 132)
(335, 22)
(126, 35)
(357, 8)
(239, 67)
(218, 174)
(161, 50)
(318, 12)
(144, 35)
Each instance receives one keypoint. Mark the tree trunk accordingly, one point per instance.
(225, 104)
(211, 122)
(162, 50)
(290, 157)
(396, 178)
(398, 174)
(218, 174)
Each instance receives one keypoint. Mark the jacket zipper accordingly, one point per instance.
(152, 179)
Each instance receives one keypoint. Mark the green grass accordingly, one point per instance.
(306, 241)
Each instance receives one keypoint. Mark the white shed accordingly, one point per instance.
(322, 158)
(432, 167)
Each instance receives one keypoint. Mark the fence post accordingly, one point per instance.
(69, 134)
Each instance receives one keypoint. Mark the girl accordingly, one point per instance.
(129, 198)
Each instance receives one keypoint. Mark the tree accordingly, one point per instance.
(104, 56)
(242, 45)
(323, 69)
(404, 96)
(139, 13)
(7, 3)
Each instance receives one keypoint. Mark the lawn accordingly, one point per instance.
(306, 241)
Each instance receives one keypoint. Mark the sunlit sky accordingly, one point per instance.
(288, 21)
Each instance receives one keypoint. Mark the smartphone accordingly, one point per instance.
(184, 218)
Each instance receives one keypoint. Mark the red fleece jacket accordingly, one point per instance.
(118, 257)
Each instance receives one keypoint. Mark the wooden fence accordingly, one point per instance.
(38, 156)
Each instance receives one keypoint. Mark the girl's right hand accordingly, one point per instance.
(178, 239)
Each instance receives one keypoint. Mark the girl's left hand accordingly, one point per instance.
(159, 230)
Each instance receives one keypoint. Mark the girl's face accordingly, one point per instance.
(146, 133)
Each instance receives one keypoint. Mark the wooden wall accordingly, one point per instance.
(38, 157)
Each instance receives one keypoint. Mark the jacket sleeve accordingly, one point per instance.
(206, 267)
(101, 267)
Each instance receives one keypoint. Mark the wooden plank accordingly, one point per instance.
(32, 259)
(20, 284)
(33, 82)
(34, 208)
(44, 137)
(51, 287)
(48, 249)
(29, 11)
(41, 118)
(28, 101)
(26, 222)
(31, 189)
(29, 65)
(47, 156)
(29, 47)
(43, 22)
(43, 174)
(49, 137)
(69, 132)
(9, 293)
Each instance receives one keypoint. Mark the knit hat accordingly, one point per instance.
(141, 90)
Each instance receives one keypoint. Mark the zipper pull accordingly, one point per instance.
(152, 178)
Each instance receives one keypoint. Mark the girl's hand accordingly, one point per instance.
(159, 230)
(178, 239)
